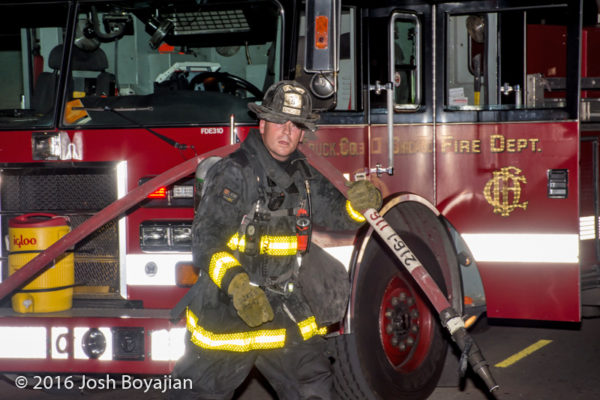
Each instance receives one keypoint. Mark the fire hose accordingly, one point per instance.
(449, 317)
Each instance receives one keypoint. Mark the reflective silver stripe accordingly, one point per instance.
(526, 248)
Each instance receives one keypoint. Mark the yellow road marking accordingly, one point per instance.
(523, 353)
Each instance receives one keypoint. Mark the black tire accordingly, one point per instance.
(366, 368)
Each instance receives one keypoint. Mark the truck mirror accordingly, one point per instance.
(323, 85)
(321, 45)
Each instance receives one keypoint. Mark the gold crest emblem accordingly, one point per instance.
(503, 191)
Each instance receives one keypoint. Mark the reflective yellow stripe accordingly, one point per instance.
(355, 215)
(270, 245)
(219, 264)
(239, 341)
(309, 328)
(235, 243)
(279, 245)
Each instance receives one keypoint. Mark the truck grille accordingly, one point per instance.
(77, 192)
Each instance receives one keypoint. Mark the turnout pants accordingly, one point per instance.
(301, 371)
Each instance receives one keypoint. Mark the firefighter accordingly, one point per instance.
(251, 240)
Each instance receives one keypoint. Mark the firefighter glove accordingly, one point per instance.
(250, 301)
(363, 195)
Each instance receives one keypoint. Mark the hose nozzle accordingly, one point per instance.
(470, 351)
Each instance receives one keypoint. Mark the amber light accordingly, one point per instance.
(186, 274)
(321, 32)
(470, 321)
(160, 193)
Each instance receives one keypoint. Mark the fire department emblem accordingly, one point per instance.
(503, 191)
(292, 100)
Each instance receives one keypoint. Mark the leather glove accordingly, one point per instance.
(250, 301)
(364, 195)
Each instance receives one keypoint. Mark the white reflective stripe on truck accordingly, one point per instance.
(525, 248)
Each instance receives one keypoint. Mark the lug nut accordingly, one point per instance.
(410, 341)
(389, 313)
(389, 329)
(414, 314)
(395, 301)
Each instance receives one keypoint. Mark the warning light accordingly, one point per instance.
(470, 321)
(321, 32)
(186, 274)
(165, 48)
(160, 193)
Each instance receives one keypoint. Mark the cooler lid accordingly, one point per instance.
(38, 220)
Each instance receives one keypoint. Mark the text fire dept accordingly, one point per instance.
(496, 143)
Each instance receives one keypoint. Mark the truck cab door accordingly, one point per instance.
(507, 150)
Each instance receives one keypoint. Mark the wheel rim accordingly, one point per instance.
(405, 325)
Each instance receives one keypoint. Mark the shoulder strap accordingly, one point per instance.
(302, 166)
(240, 157)
(177, 310)
(244, 159)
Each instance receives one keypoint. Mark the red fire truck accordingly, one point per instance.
(475, 118)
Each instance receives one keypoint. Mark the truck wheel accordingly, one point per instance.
(397, 347)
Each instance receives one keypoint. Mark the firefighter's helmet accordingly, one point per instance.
(287, 101)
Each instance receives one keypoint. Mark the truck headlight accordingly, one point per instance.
(154, 236)
(166, 236)
(182, 235)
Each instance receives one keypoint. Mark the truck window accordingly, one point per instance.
(395, 53)
(28, 69)
(501, 61)
(407, 61)
(173, 64)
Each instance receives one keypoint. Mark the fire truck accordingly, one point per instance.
(476, 119)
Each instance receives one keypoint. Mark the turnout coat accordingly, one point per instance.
(247, 221)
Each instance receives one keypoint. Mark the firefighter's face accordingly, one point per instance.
(280, 139)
